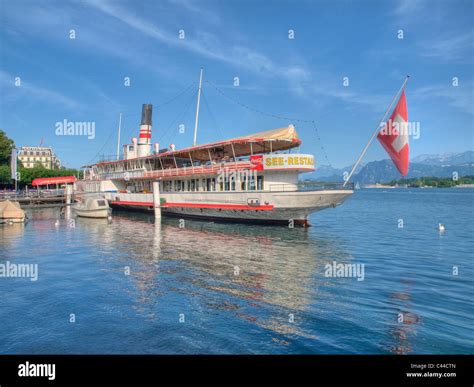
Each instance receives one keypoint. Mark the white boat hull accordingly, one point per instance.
(274, 207)
(92, 213)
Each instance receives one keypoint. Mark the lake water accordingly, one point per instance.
(226, 288)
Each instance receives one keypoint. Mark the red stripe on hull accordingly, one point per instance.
(199, 205)
(128, 203)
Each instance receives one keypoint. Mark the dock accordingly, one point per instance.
(56, 200)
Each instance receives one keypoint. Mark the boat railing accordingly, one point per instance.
(283, 187)
(323, 186)
(197, 170)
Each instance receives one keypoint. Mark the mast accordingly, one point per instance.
(118, 138)
(364, 151)
(197, 109)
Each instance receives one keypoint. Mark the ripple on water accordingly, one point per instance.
(244, 288)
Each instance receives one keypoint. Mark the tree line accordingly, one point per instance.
(431, 181)
(26, 175)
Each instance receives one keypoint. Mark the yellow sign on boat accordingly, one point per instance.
(288, 161)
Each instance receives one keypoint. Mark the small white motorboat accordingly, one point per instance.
(93, 208)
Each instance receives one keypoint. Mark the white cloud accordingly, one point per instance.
(28, 89)
(449, 48)
(205, 44)
(459, 97)
(198, 8)
(408, 7)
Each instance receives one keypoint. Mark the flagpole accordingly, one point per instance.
(377, 129)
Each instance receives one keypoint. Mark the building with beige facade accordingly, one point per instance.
(31, 156)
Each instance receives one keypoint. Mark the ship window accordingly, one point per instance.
(252, 183)
(101, 203)
(260, 183)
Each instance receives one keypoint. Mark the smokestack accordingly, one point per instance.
(147, 110)
(144, 141)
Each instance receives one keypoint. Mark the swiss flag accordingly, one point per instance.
(394, 136)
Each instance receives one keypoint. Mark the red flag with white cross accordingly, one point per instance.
(394, 136)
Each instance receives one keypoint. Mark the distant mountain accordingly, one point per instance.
(384, 170)
(328, 173)
(446, 159)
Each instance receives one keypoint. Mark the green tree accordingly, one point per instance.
(5, 174)
(6, 145)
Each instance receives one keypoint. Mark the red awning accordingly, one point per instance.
(53, 180)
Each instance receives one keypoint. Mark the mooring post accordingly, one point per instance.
(156, 199)
(68, 193)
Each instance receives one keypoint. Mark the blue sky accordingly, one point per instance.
(82, 79)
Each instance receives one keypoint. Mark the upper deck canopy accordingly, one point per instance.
(262, 142)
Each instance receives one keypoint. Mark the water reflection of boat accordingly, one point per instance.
(406, 322)
(12, 232)
(260, 275)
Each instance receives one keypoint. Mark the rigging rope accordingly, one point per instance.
(178, 117)
(176, 96)
(103, 146)
(275, 116)
(211, 114)
(182, 92)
